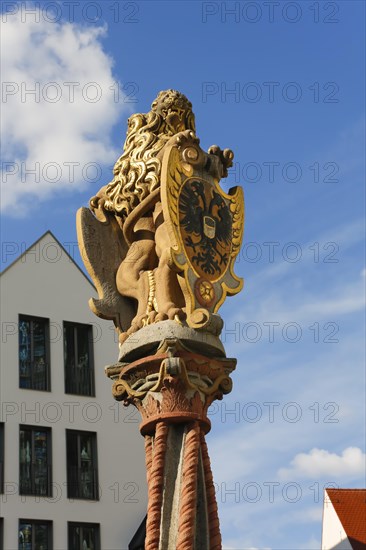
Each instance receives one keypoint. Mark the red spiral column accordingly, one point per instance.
(188, 503)
(155, 488)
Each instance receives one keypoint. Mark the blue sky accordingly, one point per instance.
(282, 84)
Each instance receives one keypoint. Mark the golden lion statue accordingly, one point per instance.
(135, 276)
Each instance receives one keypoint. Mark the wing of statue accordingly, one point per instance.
(103, 248)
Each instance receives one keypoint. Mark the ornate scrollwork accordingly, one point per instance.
(173, 384)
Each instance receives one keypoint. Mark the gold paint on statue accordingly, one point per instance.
(160, 240)
(205, 227)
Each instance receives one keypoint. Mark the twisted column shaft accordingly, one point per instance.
(212, 511)
(188, 496)
(148, 455)
(155, 488)
(172, 524)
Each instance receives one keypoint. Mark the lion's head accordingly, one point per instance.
(137, 171)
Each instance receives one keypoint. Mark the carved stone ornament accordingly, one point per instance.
(174, 385)
(160, 240)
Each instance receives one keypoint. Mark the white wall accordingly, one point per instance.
(46, 283)
(333, 535)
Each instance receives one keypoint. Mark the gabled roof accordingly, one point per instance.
(48, 232)
(350, 506)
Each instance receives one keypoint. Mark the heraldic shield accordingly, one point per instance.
(205, 227)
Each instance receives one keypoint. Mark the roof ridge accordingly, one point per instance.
(48, 232)
(345, 489)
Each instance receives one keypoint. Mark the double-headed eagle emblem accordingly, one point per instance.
(205, 224)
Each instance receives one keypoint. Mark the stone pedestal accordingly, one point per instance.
(173, 388)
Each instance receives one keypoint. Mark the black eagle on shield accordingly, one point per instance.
(206, 221)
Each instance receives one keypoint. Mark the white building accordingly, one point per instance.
(344, 519)
(73, 471)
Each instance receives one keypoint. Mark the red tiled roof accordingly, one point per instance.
(350, 506)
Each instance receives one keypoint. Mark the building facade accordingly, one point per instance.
(72, 472)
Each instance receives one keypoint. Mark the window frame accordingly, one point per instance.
(34, 522)
(82, 524)
(68, 384)
(74, 490)
(31, 318)
(33, 491)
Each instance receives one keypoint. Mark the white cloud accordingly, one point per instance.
(68, 119)
(319, 462)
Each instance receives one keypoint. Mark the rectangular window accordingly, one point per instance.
(35, 534)
(78, 359)
(35, 461)
(34, 362)
(82, 468)
(84, 536)
(1, 533)
(2, 452)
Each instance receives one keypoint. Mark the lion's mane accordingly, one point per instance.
(137, 171)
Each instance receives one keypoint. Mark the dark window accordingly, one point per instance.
(35, 534)
(78, 357)
(1, 533)
(84, 536)
(82, 469)
(35, 461)
(34, 362)
(2, 457)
